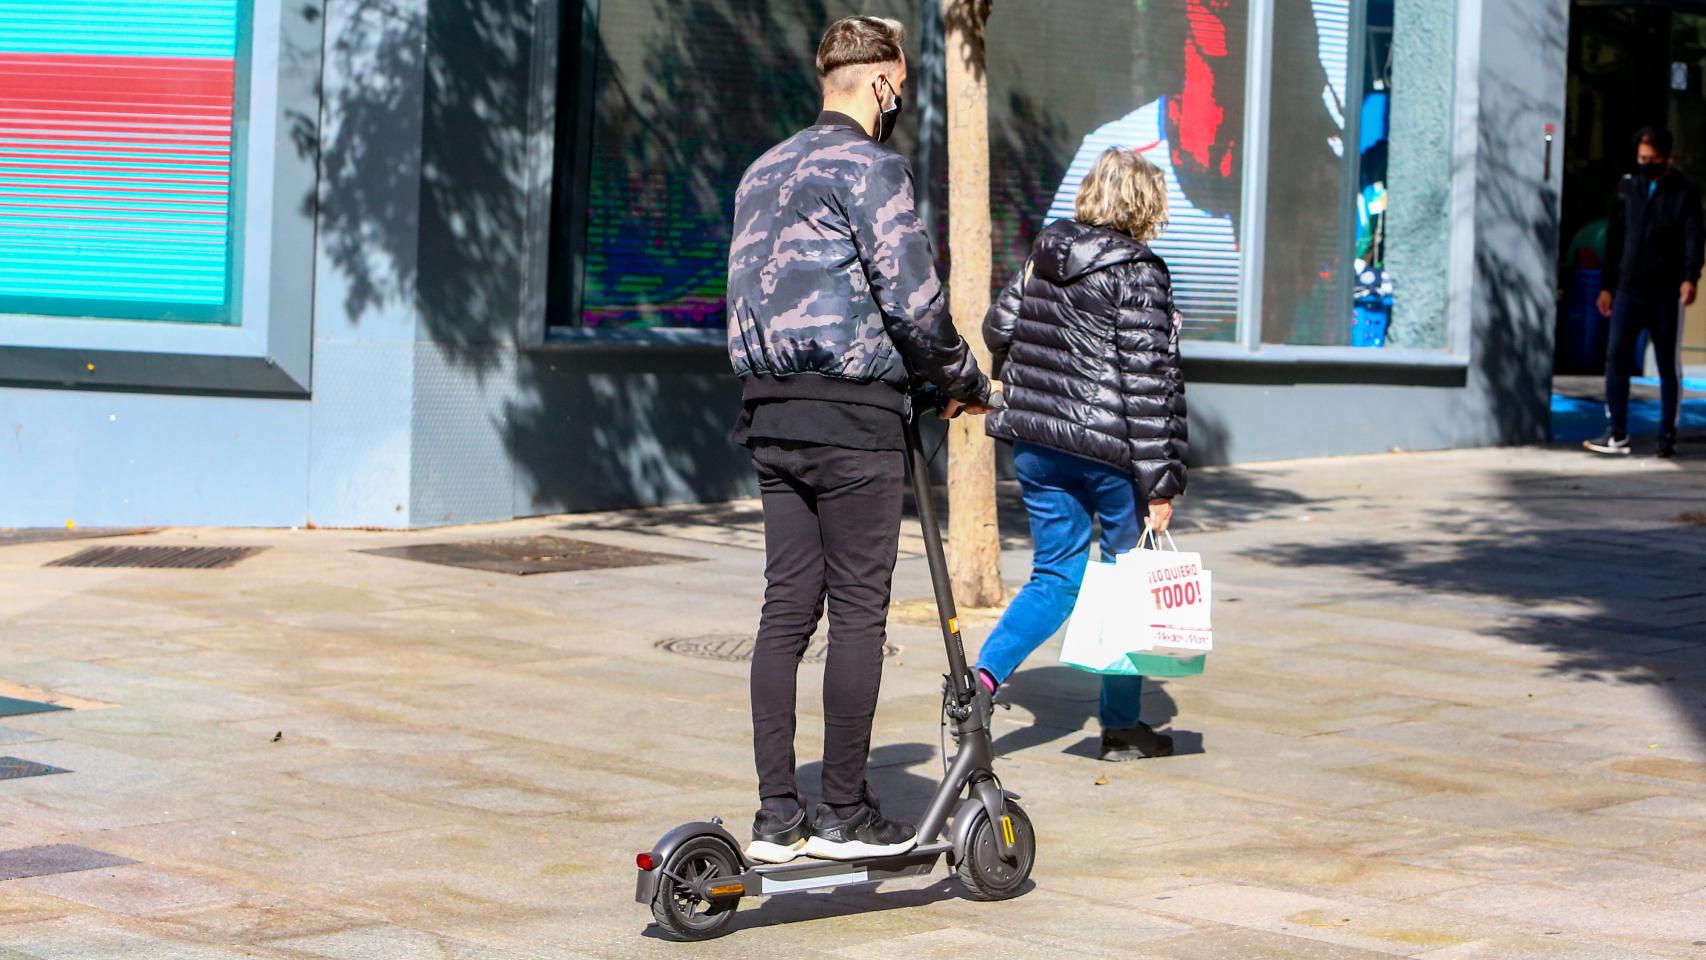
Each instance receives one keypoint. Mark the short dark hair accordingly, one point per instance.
(855, 41)
(1658, 138)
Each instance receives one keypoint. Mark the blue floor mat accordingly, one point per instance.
(1695, 384)
(1575, 419)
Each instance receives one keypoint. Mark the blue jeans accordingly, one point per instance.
(1062, 494)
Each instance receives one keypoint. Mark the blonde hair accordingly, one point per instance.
(857, 42)
(1123, 192)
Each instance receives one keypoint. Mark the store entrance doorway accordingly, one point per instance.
(1632, 64)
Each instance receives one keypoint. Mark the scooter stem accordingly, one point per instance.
(960, 680)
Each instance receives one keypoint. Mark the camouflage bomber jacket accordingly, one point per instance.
(831, 273)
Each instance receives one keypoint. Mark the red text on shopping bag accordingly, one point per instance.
(1174, 599)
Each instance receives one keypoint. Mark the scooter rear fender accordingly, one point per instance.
(646, 886)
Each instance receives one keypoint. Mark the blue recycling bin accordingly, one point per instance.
(1581, 330)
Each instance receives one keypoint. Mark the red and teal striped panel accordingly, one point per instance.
(116, 157)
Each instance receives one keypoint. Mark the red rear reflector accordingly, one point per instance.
(644, 861)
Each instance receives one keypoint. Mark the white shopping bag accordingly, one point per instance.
(1168, 595)
(1145, 613)
(1098, 616)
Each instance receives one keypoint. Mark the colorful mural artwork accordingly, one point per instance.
(116, 158)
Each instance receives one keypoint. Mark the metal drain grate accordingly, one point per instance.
(12, 768)
(735, 648)
(57, 858)
(175, 558)
(521, 556)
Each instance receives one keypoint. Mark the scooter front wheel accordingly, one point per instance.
(983, 874)
(679, 906)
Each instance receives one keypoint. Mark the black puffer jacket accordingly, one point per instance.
(1086, 345)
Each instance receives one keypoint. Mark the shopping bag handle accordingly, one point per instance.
(1152, 538)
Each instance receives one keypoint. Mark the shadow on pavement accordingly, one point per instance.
(823, 905)
(733, 514)
(1608, 571)
(1062, 700)
(903, 775)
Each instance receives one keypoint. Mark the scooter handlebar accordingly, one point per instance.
(930, 399)
(927, 400)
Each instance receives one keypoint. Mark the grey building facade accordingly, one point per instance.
(477, 245)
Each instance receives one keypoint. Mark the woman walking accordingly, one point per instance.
(1086, 343)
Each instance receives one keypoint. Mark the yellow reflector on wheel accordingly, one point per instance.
(1007, 830)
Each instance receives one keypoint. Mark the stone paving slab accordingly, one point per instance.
(1458, 711)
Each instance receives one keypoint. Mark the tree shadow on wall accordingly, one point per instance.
(719, 81)
(445, 237)
(367, 188)
(1516, 246)
(600, 429)
(449, 237)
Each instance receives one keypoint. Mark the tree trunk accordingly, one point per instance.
(974, 538)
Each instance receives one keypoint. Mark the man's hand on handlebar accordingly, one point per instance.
(956, 407)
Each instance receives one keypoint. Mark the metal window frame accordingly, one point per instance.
(560, 319)
(269, 351)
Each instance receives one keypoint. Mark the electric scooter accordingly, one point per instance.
(697, 874)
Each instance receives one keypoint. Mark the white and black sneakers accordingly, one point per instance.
(865, 833)
(1608, 442)
(1616, 444)
(775, 840)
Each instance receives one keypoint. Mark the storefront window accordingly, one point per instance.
(116, 158)
(1326, 276)
(1162, 77)
(1307, 163)
(687, 94)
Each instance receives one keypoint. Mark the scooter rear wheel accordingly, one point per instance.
(681, 911)
(983, 874)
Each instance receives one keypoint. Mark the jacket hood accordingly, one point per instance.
(1067, 250)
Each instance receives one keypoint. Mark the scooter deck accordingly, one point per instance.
(814, 874)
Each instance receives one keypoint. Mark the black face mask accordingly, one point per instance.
(1652, 170)
(887, 116)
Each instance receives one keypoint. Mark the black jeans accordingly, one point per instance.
(1661, 316)
(831, 529)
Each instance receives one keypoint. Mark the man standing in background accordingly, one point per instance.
(1653, 258)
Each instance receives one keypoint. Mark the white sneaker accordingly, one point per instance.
(775, 840)
(864, 834)
(1608, 442)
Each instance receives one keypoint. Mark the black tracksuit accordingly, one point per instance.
(1655, 242)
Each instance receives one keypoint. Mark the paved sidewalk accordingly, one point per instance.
(1459, 712)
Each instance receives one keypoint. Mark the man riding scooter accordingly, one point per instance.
(834, 307)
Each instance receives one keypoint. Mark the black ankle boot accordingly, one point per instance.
(1135, 743)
